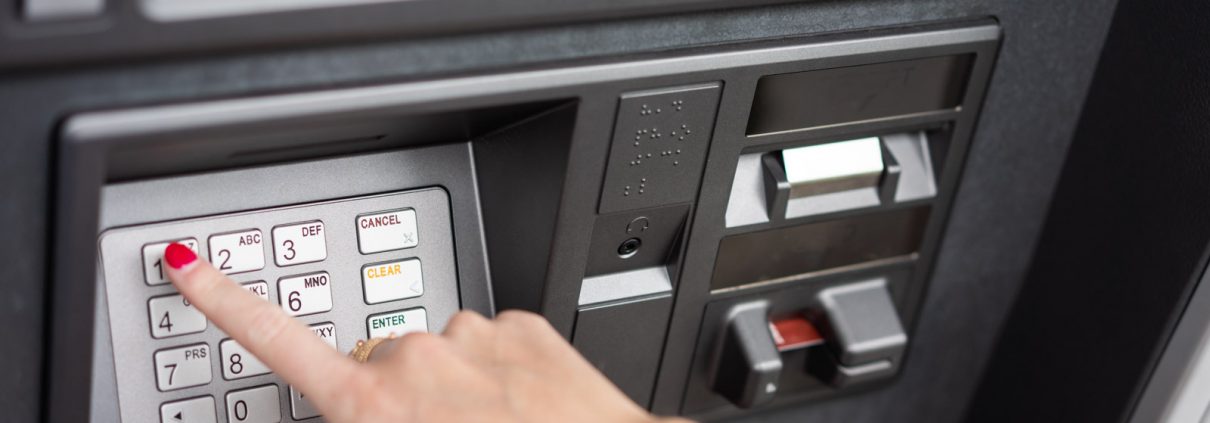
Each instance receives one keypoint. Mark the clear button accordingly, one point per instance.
(391, 281)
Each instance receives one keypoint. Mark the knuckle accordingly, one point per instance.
(466, 320)
(523, 319)
(360, 398)
(204, 285)
(266, 325)
(359, 386)
(213, 279)
(417, 346)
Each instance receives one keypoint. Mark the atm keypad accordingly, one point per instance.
(355, 266)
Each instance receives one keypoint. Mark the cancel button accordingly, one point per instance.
(386, 231)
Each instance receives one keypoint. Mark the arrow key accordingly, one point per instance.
(193, 410)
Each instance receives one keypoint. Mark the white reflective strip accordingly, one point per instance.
(832, 160)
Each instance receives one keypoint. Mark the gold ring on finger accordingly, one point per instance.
(365, 348)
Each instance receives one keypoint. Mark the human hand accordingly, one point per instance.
(513, 368)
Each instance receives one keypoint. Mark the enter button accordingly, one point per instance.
(397, 323)
(391, 281)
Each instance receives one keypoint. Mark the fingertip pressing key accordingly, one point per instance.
(286, 346)
(179, 257)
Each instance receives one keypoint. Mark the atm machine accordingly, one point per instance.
(855, 211)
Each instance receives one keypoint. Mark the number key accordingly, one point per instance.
(153, 260)
(260, 288)
(255, 405)
(182, 367)
(237, 252)
(172, 315)
(299, 243)
(238, 363)
(305, 294)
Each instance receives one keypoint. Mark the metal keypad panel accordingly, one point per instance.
(347, 268)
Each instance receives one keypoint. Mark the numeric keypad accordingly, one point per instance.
(345, 264)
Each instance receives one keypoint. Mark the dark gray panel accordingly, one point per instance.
(520, 175)
(745, 363)
(131, 29)
(1126, 237)
(649, 235)
(772, 254)
(1044, 68)
(831, 96)
(624, 341)
(659, 146)
(89, 138)
(53, 10)
(795, 385)
(731, 141)
(1172, 393)
(861, 321)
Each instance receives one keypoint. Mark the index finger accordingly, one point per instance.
(284, 344)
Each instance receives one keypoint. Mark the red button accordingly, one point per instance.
(794, 333)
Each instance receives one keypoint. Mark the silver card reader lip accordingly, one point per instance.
(833, 167)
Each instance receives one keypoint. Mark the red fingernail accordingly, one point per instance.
(178, 255)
